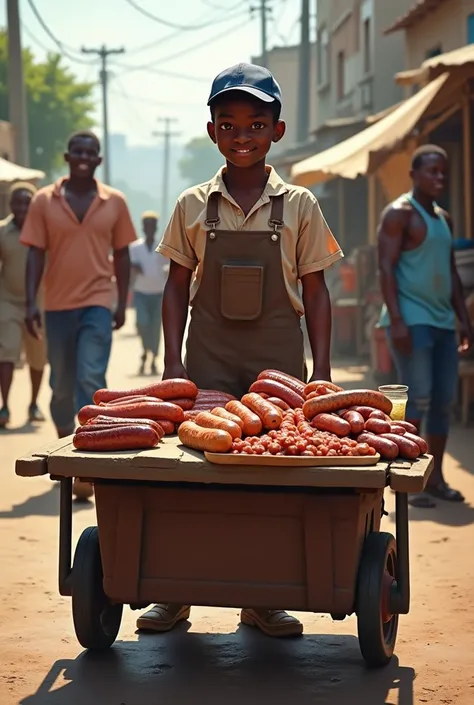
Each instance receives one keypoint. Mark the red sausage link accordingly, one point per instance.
(269, 414)
(409, 426)
(279, 403)
(313, 386)
(331, 423)
(168, 426)
(377, 414)
(117, 438)
(151, 410)
(377, 426)
(420, 442)
(343, 400)
(103, 420)
(406, 448)
(387, 448)
(291, 382)
(396, 428)
(166, 389)
(185, 404)
(364, 411)
(277, 389)
(355, 420)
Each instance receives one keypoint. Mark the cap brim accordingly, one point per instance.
(246, 89)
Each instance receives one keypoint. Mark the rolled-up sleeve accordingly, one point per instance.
(175, 243)
(35, 232)
(316, 248)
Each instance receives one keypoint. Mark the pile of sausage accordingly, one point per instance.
(134, 419)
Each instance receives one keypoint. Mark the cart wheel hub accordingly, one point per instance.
(387, 583)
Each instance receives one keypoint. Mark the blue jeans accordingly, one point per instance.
(79, 343)
(148, 308)
(431, 374)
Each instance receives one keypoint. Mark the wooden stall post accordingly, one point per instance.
(372, 208)
(467, 167)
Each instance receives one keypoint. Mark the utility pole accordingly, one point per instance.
(167, 134)
(16, 89)
(103, 53)
(304, 74)
(264, 11)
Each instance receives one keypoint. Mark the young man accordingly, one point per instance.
(13, 333)
(150, 270)
(423, 294)
(76, 222)
(244, 241)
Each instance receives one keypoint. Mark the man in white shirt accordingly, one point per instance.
(150, 271)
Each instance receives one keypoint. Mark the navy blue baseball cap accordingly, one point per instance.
(250, 78)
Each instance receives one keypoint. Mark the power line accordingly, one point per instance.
(64, 49)
(183, 52)
(160, 72)
(166, 23)
(150, 101)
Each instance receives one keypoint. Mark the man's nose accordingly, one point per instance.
(242, 137)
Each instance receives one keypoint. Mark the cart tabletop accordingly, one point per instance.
(172, 462)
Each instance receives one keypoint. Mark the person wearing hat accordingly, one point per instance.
(149, 269)
(240, 245)
(13, 333)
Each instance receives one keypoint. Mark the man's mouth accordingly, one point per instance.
(83, 167)
(244, 150)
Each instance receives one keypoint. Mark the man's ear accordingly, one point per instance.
(211, 131)
(280, 129)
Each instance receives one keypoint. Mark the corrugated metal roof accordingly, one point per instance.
(419, 10)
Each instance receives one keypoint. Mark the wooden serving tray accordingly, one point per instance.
(294, 461)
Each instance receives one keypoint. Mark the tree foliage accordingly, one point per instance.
(58, 104)
(201, 160)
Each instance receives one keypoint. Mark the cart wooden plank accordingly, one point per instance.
(411, 476)
(36, 463)
(171, 462)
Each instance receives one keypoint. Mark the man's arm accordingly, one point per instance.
(175, 314)
(34, 273)
(390, 242)
(122, 276)
(317, 306)
(458, 300)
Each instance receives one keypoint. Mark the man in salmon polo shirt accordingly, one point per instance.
(72, 226)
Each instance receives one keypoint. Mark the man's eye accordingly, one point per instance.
(258, 126)
(226, 126)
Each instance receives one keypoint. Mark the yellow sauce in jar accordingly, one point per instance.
(398, 410)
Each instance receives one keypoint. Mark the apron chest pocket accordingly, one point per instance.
(241, 292)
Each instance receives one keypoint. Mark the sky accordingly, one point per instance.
(141, 89)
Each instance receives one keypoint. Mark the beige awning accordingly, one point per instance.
(10, 172)
(437, 65)
(415, 14)
(361, 153)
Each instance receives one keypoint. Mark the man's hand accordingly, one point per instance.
(466, 338)
(175, 371)
(119, 318)
(33, 321)
(400, 336)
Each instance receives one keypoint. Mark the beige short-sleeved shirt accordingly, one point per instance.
(79, 270)
(12, 263)
(307, 243)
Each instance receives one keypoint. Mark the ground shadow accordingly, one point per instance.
(460, 448)
(27, 428)
(245, 666)
(46, 504)
(447, 513)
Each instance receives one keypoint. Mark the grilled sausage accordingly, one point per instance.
(342, 400)
(377, 414)
(152, 410)
(166, 389)
(278, 402)
(214, 440)
(185, 404)
(313, 386)
(132, 399)
(270, 415)
(396, 428)
(355, 420)
(104, 420)
(409, 426)
(387, 448)
(208, 420)
(277, 389)
(406, 448)
(420, 442)
(252, 422)
(377, 426)
(364, 411)
(331, 423)
(288, 380)
(117, 438)
(224, 414)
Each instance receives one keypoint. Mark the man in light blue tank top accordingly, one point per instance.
(423, 295)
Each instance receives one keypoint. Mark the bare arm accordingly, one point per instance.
(34, 273)
(317, 306)
(122, 276)
(175, 314)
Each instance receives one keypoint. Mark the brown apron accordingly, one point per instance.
(242, 320)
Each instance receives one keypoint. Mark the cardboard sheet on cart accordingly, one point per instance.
(171, 462)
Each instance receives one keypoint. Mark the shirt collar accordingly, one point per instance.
(102, 190)
(275, 185)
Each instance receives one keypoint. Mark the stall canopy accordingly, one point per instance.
(460, 59)
(10, 172)
(365, 151)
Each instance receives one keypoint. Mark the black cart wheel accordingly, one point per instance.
(377, 627)
(96, 619)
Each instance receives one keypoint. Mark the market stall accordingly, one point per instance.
(277, 511)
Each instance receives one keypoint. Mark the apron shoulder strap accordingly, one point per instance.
(276, 214)
(212, 209)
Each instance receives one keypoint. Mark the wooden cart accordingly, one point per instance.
(173, 527)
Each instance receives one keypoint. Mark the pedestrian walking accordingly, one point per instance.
(423, 295)
(240, 245)
(76, 223)
(13, 333)
(150, 270)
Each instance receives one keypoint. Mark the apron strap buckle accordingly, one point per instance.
(276, 215)
(212, 211)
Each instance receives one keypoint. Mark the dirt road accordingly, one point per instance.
(212, 659)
